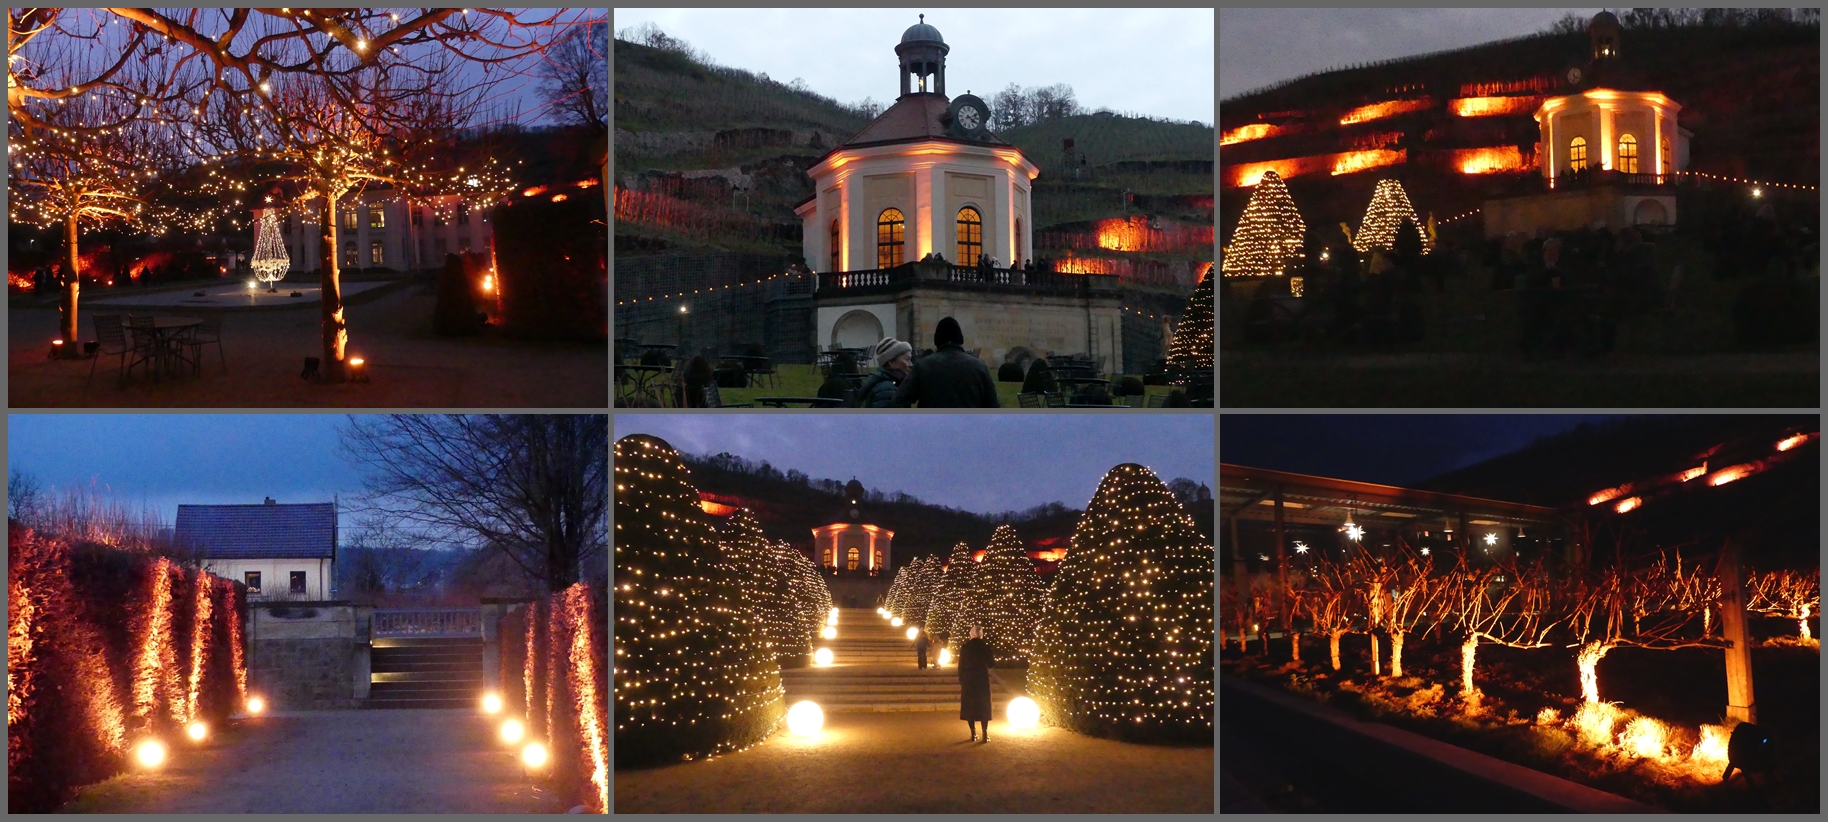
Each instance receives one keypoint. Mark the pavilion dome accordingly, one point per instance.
(921, 32)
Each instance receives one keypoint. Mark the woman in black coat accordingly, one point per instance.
(974, 664)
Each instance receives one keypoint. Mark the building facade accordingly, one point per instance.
(378, 229)
(281, 552)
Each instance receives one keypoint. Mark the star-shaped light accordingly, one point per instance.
(1263, 557)
(1353, 532)
(1491, 539)
(1301, 547)
(1424, 552)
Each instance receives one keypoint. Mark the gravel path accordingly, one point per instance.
(266, 349)
(922, 763)
(369, 761)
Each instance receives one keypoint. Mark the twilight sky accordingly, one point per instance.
(978, 462)
(1157, 62)
(1389, 449)
(161, 460)
(1263, 46)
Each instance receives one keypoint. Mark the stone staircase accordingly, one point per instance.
(873, 670)
(425, 673)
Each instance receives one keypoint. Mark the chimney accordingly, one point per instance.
(271, 502)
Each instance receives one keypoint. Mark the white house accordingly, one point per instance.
(284, 552)
(378, 230)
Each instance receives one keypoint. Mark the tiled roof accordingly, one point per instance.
(914, 117)
(259, 531)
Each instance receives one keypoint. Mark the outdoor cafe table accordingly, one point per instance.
(643, 380)
(1080, 381)
(809, 402)
(165, 330)
(750, 366)
(664, 349)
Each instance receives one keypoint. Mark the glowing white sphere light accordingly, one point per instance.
(945, 656)
(895, 622)
(913, 632)
(822, 657)
(512, 731)
(491, 704)
(829, 632)
(256, 705)
(534, 754)
(805, 718)
(197, 730)
(1024, 713)
(150, 753)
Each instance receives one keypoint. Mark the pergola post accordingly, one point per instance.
(1739, 701)
(1283, 611)
(1238, 583)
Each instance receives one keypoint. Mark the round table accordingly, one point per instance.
(643, 379)
(165, 331)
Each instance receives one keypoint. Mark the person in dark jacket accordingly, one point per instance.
(974, 664)
(894, 359)
(920, 649)
(948, 377)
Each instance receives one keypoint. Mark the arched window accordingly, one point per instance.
(1015, 257)
(851, 559)
(1577, 153)
(1667, 165)
(970, 235)
(834, 246)
(1628, 154)
(876, 559)
(889, 229)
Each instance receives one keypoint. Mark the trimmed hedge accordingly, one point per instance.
(562, 686)
(83, 684)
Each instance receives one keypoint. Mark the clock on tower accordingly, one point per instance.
(970, 117)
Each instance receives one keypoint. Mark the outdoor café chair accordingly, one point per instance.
(1029, 401)
(112, 338)
(145, 333)
(208, 333)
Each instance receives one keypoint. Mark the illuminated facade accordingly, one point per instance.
(1631, 132)
(927, 176)
(377, 229)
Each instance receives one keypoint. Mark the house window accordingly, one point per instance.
(970, 235)
(252, 578)
(298, 582)
(377, 215)
(350, 258)
(463, 213)
(442, 249)
(418, 217)
(1667, 165)
(464, 243)
(875, 559)
(374, 250)
(1015, 257)
(1577, 153)
(851, 559)
(1628, 154)
(437, 219)
(889, 228)
(834, 246)
(349, 218)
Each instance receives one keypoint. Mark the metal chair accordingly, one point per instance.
(1055, 399)
(112, 339)
(207, 334)
(1029, 401)
(145, 333)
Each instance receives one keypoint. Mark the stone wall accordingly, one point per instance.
(1614, 206)
(730, 302)
(309, 657)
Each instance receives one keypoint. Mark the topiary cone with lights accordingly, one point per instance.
(1124, 647)
(1191, 349)
(1269, 233)
(693, 677)
(922, 585)
(1389, 207)
(1008, 601)
(892, 602)
(951, 595)
(763, 581)
(808, 603)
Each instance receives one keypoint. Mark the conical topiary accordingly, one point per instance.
(952, 594)
(1124, 648)
(1008, 601)
(1192, 347)
(1269, 233)
(762, 579)
(897, 590)
(810, 601)
(693, 678)
(1388, 209)
(922, 587)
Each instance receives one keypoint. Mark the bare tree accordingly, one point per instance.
(532, 486)
(1786, 594)
(25, 497)
(1662, 606)
(1507, 604)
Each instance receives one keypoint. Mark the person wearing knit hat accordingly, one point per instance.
(949, 377)
(894, 359)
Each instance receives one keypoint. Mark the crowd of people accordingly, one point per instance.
(949, 377)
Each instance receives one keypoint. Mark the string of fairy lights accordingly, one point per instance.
(766, 599)
(1269, 233)
(1191, 348)
(1124, 645)
(1006, 601)
(1388, 209)
(708, 289)
(951, 597)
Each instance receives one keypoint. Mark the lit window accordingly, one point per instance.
(834, 246)
(253, 581)
(1577, 153)
(889, 228)
(349, 219)
(970, 235)
(463, 213)
(418, 217)
(377, 215)
(1667, 165)
(851, 559)
(875, 559)
(374, 251)
(1628, 154)
(298, 582)
(350, 258)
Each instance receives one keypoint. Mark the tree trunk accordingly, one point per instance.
(1294, 643)
(1396, 653)
(1333, 641)
(1263, 638)
(335, 332)
(1802, 625)
(73, 283)
(1377, 668)
(1468, 650)
(1588, 662)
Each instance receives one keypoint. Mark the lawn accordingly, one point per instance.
(804, 381)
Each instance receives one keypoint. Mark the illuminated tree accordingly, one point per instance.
(811, 602)
(1662, 606)
(693, 678)
(921, 589)
(1388, 209)
(897, 589)
(952, 595)
(1008, 599)
(1410, 597)
(1507, 604)
(1191, 349)
(1124, 646)
(1787, 594)
(1326, 603)
(1269, 234)
(763, 580)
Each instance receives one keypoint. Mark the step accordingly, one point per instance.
(395, 666)
(426, 642)
(372, 702)
(473, 687)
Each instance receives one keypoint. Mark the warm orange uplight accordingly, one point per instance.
(534, 755)
(716, 509)
(1389, 108)
(256, 705)
(1493, 106)
(587, 182)
(1488, 160)
(1249, 174)
(1788, 443)
(1732, 472)
(513, 731)
(150, 753)
(199, 642)
(1242, 134)
(491, 704)
(559, 198)
(593, 723)
(1354, 161)
(488, 282)
(356, 361)
(1083, 265)
(1609, 494)
(534, 191)
(1712, 747)
(1628, 504)
(1694, 472)
(197, 731)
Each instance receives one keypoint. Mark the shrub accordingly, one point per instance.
(1129, 387)
(1009, 372)
(731, 376)
(1040, 379)
(698, 375)
(455, 314)
(1177, 399)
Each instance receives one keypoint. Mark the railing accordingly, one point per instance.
(947, 272)
(428, 622)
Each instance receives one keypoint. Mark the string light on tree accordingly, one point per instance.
(1124, 646)
(1008, 598)
(1191, 349)
(763, 580)
(270, 261)
(1269, 234)
(951, 596)
(1388, 209)
(693, 677)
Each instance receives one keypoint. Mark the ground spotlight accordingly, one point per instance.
(534, 755)
(197, 730)
(1024, 713)
(491, 704)
(822, 657)
(256, 705)
(150, 753)
(805, 718)
(512, 731)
